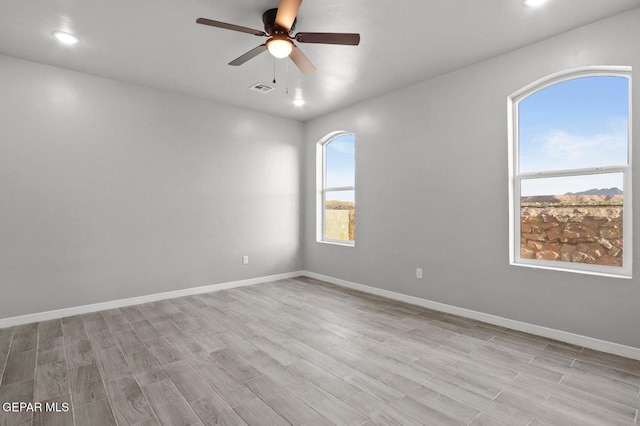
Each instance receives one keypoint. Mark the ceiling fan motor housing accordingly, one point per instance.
(270, 27)
(279, 24)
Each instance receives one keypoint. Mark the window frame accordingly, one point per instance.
(322, 189)
(515, 177)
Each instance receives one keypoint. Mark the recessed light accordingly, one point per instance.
(65, 38)
(299, 102)
(534, 2)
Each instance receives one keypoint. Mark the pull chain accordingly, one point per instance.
(286, 77)
(274, 70)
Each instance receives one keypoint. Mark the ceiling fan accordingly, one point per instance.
(279, 23)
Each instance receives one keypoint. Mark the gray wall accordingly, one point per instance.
(110, 190)
(433, 193)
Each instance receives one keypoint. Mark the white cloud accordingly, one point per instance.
(562, 150)
(562, 145)
(576, 151)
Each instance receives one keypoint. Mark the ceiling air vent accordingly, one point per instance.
(262, 88)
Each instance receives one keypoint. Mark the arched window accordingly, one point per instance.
(570, 172)
(336, 184)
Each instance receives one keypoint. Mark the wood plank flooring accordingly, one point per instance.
(303, 352)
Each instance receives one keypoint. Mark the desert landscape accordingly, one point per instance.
(340, 220)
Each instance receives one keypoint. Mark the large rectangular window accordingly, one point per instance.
(337, 189)
(570, 172)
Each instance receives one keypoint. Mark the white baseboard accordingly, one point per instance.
(85, 309)
(575, 339)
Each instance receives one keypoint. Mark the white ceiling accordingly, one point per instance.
(157, 43)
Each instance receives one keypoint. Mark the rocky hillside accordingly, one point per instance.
(572, 200)
(340, 205)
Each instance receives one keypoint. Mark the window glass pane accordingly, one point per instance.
(573, 219)
(340, 162)
(575, 124)
(340, 215)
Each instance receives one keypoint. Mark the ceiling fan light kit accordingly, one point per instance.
(279, 23)
(279, 47)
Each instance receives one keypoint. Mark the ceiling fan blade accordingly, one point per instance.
(301, 61)
(287, 12)
(350, 39)
(226, 26)
(249, 55)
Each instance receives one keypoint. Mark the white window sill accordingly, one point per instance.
(338, 243)
(576, 270)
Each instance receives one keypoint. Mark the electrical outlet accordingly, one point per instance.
(245, 260)
(419, 273)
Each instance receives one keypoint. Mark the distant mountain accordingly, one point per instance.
(596, 191)
(592, 197)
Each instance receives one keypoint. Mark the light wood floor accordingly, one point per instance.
(304, 353)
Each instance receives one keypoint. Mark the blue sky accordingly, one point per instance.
(574, 124)
(340, 162)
